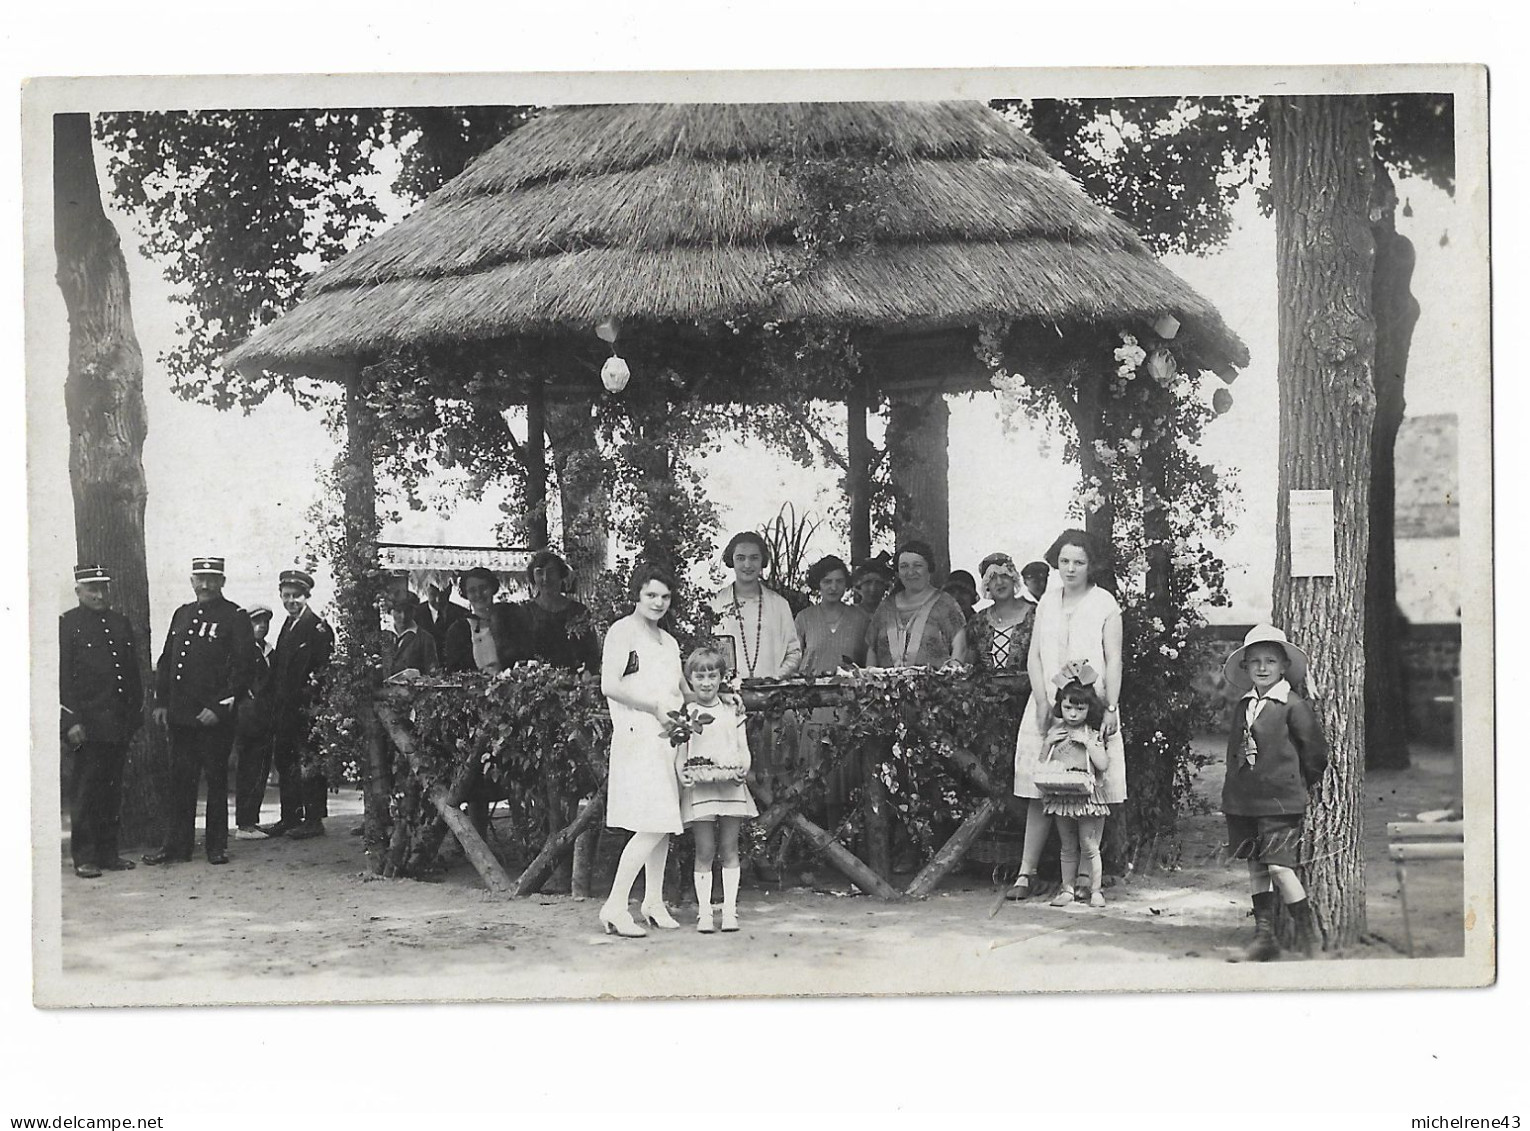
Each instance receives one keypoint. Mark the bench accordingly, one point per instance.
(1415, 841)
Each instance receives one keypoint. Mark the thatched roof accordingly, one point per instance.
(687, 213)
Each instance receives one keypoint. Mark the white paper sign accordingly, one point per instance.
(1311, 533)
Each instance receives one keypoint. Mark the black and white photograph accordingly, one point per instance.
(703, 582)
(645, 547)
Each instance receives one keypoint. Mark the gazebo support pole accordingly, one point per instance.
(918, 426)
(581, 492)
(358, 591)
(536, 463)
(858, 455)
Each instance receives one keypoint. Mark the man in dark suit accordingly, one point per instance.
(203, 672)
(252, 734)
(437, 615)
(299, 665)
(100, 709)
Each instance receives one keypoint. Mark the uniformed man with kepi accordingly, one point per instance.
(299, 665)
(101, 707)
(205, 669)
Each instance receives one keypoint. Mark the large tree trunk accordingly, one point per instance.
(581, 491)
(1321, 175)
(360, 586)
(103, 398)
(535, 519)
(1396, 312)
(918, 426)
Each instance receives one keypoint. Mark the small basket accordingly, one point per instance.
(1054, 781)
(702, 772)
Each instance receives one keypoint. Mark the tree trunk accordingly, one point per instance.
(359, 587)
(1086, 412)
(1146, 820)
(103, 400)
(918, 427)
(581, 491)
(1396, 312)
(1321, 175)
(858, 480)
(535, 520)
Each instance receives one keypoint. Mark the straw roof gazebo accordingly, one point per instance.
(673, 219)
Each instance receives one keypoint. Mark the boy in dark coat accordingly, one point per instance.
(100, 709)
(252, 734)
(1275, 753)
(299, 668)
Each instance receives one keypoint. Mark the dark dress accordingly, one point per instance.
(563, 637)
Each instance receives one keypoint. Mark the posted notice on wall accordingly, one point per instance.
(1311, 533)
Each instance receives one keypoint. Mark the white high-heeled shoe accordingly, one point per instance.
(704, 921)
(619, 921)
(658, 915)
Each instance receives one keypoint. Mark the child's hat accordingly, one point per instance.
(1076, 671)
(1296, 659)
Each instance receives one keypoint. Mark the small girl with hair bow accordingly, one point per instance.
(1074, 745)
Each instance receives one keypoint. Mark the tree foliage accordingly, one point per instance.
(242, 206)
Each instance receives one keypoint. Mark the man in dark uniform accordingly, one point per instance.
(252, 734)
(299, 665)
(101, 708)
(203, 672)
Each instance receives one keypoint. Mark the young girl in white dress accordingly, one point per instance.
(641, 679)
(714, 796)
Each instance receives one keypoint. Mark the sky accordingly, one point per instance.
(241, 485)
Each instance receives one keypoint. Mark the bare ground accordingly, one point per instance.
(302, 921)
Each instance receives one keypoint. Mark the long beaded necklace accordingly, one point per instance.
(759, 623)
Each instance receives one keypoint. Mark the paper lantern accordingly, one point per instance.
(614, 374)
(1221, 401)
(1166, 327)
(606, 331)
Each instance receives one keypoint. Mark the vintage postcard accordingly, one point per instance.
(543, 537)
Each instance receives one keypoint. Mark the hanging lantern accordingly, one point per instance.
(1221, 401)
(1166, 327)
(1162, 367)
(606, 331)
(614, 374)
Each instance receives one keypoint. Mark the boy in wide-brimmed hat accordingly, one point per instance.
(1275, 753)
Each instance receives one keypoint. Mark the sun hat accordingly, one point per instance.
(1233, 671)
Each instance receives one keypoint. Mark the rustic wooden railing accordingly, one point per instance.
(780, 801)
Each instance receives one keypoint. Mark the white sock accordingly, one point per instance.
(730, 890)
(703, 892)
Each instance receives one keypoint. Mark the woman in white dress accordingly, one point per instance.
(641, 679)
(1078, 620)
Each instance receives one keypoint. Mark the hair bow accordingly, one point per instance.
(1076, 671)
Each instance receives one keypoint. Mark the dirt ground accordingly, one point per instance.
(302, 921)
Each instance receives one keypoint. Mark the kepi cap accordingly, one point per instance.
(296, 577)
(257, 610)
(1296, 659)
(88, 574)
(207, 565)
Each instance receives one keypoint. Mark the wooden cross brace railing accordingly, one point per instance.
(777, 807)
(874, 878)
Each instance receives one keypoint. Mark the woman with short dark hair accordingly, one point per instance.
(755, 618)
(1077, 621)
(641, 678)
(919, 625)
(555, 628)
(485, 640)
